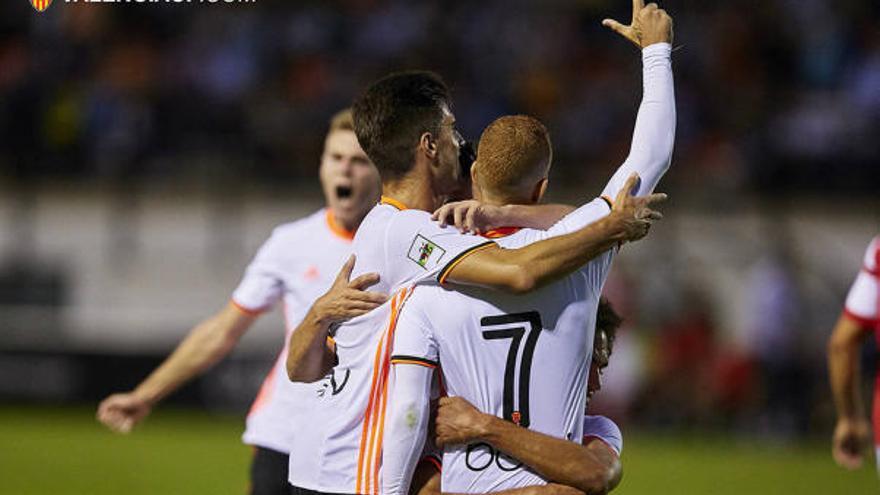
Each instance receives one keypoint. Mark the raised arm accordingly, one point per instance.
(536, 265)
(309, 357)
(593, 469)
(205, 345)
(654, 134)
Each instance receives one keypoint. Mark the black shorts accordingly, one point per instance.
(269, 473)
(295, 490)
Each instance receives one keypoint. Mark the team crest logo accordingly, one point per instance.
(41, 5)
(425, 253)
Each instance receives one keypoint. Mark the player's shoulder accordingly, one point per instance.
(604, 429)
(413, 219)
(286, 237)
(872, 256)
(425, 297)
(302, 226)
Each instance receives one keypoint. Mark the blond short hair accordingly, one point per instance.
(514, 153)
(342, 121)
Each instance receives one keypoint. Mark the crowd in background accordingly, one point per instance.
(772, 96)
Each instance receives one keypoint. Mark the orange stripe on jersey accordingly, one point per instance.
(376, 393)
(267, 388)
(246, 310)
(371, 432)
(426, 364)
(393, 202)
(386, 369)
(336, 229)
(501, 232)
(458, 259)
(365, 430)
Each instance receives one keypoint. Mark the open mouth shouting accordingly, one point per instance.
(344, 192)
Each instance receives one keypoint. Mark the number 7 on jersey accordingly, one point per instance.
(516, 404)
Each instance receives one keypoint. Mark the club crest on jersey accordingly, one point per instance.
(40, 5)
(425, 253)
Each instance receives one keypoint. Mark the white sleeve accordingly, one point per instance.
(413, 336)
(863, 299)
(406, 426)
(654, 133)
(605, 430)
(418, 248)
(580, 218)
(262, 286)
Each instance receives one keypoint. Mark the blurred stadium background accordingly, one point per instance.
(147, 150)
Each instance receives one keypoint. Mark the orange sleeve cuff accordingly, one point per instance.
(246, 310)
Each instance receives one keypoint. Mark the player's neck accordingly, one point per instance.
(347, 225)
(414, 192)
(487, 198)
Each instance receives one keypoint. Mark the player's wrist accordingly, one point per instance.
(656, 49)
(616, 226)
(321, 315)
(490, 428)
(146, 396)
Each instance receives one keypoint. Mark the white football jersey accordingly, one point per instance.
(605, 430)
(340, 450)
(525, 358)
(863, 299)
(297, 264)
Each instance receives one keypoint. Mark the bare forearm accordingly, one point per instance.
(308, 358)
(525, 269)
(554, 258)
(208, 343)
(540, 217)
(555, 459)
(843, 368)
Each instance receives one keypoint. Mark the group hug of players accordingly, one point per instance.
(441, 358)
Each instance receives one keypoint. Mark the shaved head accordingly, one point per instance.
(514, 154)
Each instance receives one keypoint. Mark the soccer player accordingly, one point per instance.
(294, 266)
(593, 467)
(861, 316)
(524, 358)
(404, 123)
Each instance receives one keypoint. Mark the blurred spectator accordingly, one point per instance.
(100, 90)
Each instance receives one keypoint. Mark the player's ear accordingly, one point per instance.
(428, 145)
(539, 190)
(475, 180)
(476, 187)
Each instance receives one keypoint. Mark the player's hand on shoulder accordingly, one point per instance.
(851, 439)
(459, 422)
(348, 298)
(649, 25)
(121, 412)
(469, 216)
(634, 212)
